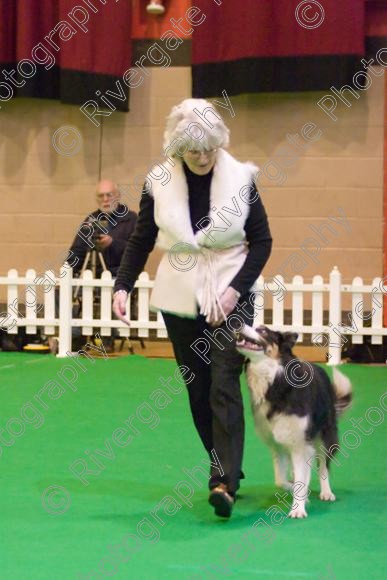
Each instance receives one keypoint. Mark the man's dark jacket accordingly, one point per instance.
(120, 232)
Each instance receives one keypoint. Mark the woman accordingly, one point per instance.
(209, 219)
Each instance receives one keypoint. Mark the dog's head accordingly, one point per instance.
(260, 342)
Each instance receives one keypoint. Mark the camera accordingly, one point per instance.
(100, 228)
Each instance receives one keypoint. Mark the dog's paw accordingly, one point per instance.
(327, 496)
(298, 512)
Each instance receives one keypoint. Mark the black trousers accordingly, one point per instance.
(215, 392)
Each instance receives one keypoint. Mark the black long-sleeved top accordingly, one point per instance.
(143, 240)
(120, 232)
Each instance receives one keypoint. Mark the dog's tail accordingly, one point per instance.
(343, 389)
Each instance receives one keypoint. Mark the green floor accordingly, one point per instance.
(343, 540)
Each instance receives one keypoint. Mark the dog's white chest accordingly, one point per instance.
(259, 378)
(281, 430)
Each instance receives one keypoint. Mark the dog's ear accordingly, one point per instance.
(290, 338)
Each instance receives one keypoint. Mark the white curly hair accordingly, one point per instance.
(194, 125)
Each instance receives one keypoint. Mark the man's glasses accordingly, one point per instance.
(109, 195)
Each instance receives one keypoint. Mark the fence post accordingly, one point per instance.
(377, 312)
(49, 301)
(87, 302)
(65, 309)
(334, 349)
(31, 308)
(143, 306)
(106, 303)
(298, 304)
(357, 320)
(317, 310)
(12, 300)
(278, 304)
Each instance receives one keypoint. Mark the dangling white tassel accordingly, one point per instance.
(211, 306)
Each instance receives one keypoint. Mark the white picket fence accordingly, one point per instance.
(25, 290)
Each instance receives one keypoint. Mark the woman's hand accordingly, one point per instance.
(119, 306)
(228, 301)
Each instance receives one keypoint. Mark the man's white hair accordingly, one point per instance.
(194, 125)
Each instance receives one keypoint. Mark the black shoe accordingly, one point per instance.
(222, 501)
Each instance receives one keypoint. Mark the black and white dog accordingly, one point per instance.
(295, 407)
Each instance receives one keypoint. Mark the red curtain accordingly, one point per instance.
(65, 49)
(276, 45)
(376, 25)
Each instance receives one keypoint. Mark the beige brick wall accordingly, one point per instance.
(44, 195)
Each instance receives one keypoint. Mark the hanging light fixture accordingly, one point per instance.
(156, 7)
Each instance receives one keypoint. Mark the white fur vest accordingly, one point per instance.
(197, 268)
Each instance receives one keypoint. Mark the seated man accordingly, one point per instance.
(102, 234)
(105, 231)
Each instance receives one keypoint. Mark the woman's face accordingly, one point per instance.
(200, 162)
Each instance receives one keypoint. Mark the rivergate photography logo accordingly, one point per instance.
(310, 14)
(67, 141)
